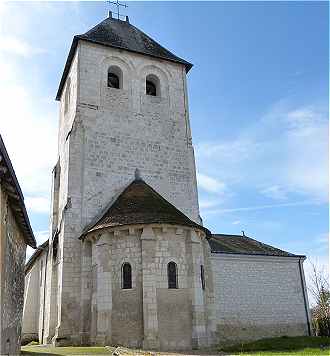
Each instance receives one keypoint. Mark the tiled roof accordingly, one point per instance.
(141, 204)
(238, 244)
(43, 247)
(10, 184)
(120, 34)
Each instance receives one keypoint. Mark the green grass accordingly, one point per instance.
(39, 350)
(281, 346)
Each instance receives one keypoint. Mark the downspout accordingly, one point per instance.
(304, 295)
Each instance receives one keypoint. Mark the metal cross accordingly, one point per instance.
(118, 4)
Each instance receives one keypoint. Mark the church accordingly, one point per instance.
(128, 260)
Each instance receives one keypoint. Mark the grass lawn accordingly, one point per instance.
(39, 350)
(281, 346)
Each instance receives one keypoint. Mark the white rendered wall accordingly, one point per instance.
(256, 297)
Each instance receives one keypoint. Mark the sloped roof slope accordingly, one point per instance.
(43, 247)
(238, 244)
(15, 196)
(141, 204)
(120, 34)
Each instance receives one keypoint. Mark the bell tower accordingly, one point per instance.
(123, 106)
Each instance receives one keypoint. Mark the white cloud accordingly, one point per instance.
(259, 207)
(275, 192)
(237, 222)
(38, 204)
(28, 128)
(17, 46)
(285, 153)
(208, 203)
(210, 184)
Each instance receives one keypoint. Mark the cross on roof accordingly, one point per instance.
(117, 4)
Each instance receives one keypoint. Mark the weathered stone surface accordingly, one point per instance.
(255, 297)
(12, 258)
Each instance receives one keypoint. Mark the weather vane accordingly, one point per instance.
(118, 4)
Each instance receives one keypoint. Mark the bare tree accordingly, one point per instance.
(319, 288)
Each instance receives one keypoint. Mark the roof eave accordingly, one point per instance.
(18, 197)
(29, 264)
(257, 254)
(67, 67)
(199, 227)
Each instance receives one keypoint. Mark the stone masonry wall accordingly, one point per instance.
(148, 315)
(255, 297)
(104, 136)
(31, 310)
(13, 250)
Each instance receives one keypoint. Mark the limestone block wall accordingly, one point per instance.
(149, 315)
(12, 257)
(123, 129)
(116, 312)
(256, 297)
(33, 322)
(105, 134)
(30, 324)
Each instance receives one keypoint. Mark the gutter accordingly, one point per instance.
(304, 295)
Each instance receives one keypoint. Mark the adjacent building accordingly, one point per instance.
(15, 235)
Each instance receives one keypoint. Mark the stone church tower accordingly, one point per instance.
(128, 261)
(123, 108)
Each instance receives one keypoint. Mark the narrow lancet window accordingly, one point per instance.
(152, 85)
(151, 88)
(126, 276)
(113, 80)
(202, 277)
(172, 275)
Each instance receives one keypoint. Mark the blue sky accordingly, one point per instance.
(258, 95)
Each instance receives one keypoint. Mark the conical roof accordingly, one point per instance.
(141, 204)
(123, 35)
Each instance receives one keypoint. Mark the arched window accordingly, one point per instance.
(172, 275)
(202, 277)
(152, 85)
(115, 77)
(126, 276)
